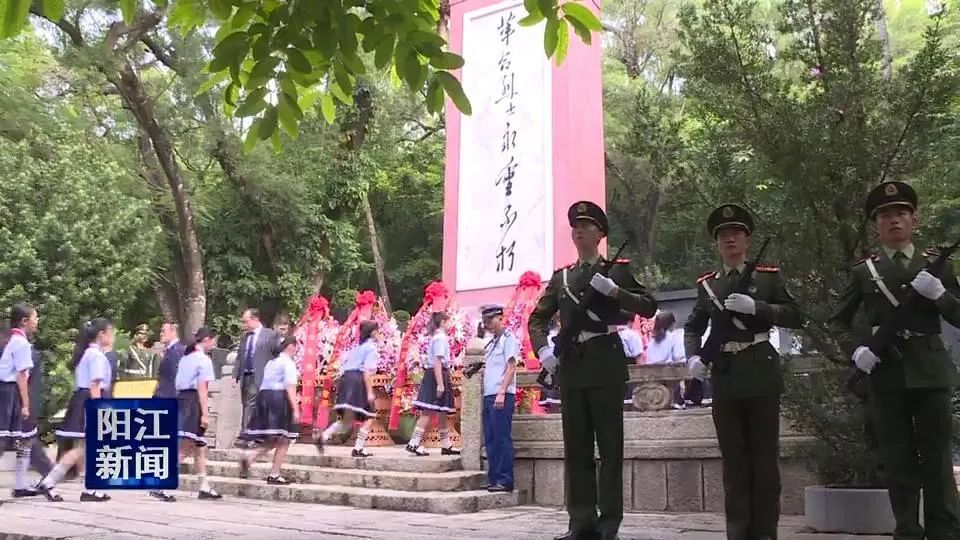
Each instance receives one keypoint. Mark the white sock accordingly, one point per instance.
(445, 438)
(416, 438)
(204, 485)
(23, 464)
(335, 427)
(361, 439)
(55, 476)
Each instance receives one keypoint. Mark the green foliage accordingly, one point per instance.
(344, 299)
(402, 317)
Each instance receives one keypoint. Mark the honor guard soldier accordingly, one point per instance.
(593, 372)
(911, 383)
(745, 375)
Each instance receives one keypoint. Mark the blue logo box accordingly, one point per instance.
(131, 444)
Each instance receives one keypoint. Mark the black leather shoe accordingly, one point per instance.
(163, 496)
(579, 535)
(209, 495)
(499, 488)
(94, 497)
(28, 492)
(451, 451)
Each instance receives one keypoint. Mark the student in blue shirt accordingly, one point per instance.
(355, 395)
(194, 373)
(435, 397)
(92, 377)
(17, 422)
(275, 421)
(499, 399)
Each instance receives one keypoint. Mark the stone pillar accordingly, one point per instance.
(227, 405)
(471, 426)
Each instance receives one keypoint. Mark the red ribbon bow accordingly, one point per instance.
(319, 307)
(365, 298)
(530, 279)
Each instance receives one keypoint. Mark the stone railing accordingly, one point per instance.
(227, 406)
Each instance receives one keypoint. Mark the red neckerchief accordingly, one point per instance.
(18, 331)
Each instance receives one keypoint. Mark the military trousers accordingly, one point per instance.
(588, 415)
(914, 431)
(748, 432)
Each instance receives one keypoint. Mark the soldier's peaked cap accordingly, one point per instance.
(729, 215)
(590, 212)
(890, 194)
(491, 310)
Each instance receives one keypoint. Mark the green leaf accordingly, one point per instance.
(434, 97)
(288, 117)
(231, 94)
(187, 15)
(547, 8)
(53, 9)
(583, 14)
(563, 42)
(128, 8)
(233, 46)
(211, 82)
(308, 99)
(384, 52)
(277, 143)
(550, 37)
(453, 89)
(345, 98)
(220, 9)
(447, 60)
(411, 70)
(326, 40)
(531, 20)
(288, 87)
(252, 104)
(268, 124)
(243, 16)
(263, 71)
(328, 108)
(290, 103)
(580, 29)
(343, 78)
(298, 61)
(353, 62)
(251, 139)
(532, 6)
(14, 17)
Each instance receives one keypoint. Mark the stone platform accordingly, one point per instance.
(389, 480)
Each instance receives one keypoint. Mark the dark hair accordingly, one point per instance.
(254, 312)
(282, 318)
(367, 328)
(663, 322)
(89, 331)
(283, 344)
(436, 321)
(18, 313)
(201, 334)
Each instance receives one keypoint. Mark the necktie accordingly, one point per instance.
(248, 362)
(733, 272)
(901, 258)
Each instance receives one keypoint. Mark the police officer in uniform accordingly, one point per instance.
(593, 373)
(746, 377)
(911, 383)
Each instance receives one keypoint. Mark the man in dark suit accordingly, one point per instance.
(256, 349)
(166, 377)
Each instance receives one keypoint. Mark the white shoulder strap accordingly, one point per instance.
(875, 276)
(716, 302)
(566, 289)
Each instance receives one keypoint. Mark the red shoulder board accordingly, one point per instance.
(622, 261)
(933, 252)
(873, 258)
(768, 268)
(705, 275)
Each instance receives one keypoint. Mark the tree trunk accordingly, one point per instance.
(167, 300)
(193, 295)
(378, 265)
(884, 36)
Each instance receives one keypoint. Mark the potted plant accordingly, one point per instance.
(851, 497)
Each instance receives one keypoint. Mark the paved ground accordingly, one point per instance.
(133, 515)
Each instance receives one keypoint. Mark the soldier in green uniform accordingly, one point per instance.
(911, 383)
(746, 376)
(593, 373)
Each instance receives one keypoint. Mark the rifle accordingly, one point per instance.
(571, 328)
(723, 323)
(893, 325)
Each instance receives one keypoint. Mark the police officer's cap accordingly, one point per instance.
(491, 310)
(890, 194)
(588, 211)
(729, 216)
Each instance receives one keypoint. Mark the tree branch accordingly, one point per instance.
(71, 30)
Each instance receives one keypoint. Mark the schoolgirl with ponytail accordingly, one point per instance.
(194, 373)
(92, 376)
(17, 422)
(435, 397)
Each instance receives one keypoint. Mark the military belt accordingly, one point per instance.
(738, 346)
(907, 334)
(584, 336)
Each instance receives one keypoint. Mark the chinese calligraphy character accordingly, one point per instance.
(509, 139)
(113, 423)
(504, 62)
(505, 255)
(154, 425)
(111, 463)
(154, 460)
(506, 176)
(509, 218)
(508, 90)
(506, 28)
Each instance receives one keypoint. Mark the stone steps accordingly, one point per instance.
(434, 502)
(378, 479)
(340, 459)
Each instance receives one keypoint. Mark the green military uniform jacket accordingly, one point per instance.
(923, 361)
(754, 371)
(599, 361)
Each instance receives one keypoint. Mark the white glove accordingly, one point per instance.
(865, 360)
(698, 370)
(928, 285)
(547, 360)
(603, 284)
(740, 303)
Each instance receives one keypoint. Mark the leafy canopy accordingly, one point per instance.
(278, 58)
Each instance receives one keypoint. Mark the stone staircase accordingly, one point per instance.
(389, 480)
